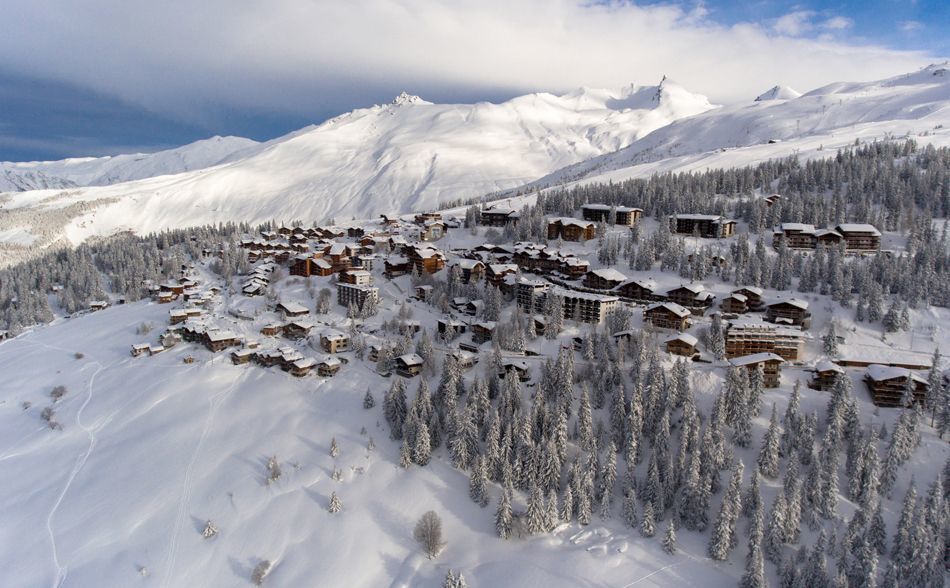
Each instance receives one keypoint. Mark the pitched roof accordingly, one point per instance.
(755, 358)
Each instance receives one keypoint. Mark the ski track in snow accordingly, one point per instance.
(61, 571)
(407, 571)
(653, 573)
(172, 556)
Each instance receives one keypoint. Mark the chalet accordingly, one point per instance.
(164, 297)
(517, 368)
(292, 309)
(638, 290)
(772, 199)
(426, 259)
(483, 331)
(826, 373)
(471, 270)
(746, 337)
(495, 273)
(174, 288)
(333, 341)
(398, 244)
(355, 232)
(432, 231)
(708, 226)
(449, 328)
(339, 255)
(139, 349)
(300, 266)
(573, 267)
(498, 216)
(859, 237)
(347, 294)
(358, 277)
(888, 385)
(682, 344)
(459, 303)
(791, 311)
(771, 366)
(474, 307)
(624, 336)
(801, 236)
(218, 340)
(753, 295)
(98, 305)
(272, 329)
(297, 330)
(396, 266)
(571, 229)
(465, 360)
(584, 307)
(423, 293)
(155, 349)
(530, 292)
(329, 367)
(667, 315)
(177, 316)
(376, 350)
(604, 279)
(302, 367)
(601, 213)
(409, 365)
(242, 356)
(695, 297)
(734, 304)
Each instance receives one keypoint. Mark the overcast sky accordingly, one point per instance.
(89, 77)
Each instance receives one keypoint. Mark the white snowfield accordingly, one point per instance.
(103, 171)
(779, 124)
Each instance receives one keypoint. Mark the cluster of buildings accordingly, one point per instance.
(857, 238)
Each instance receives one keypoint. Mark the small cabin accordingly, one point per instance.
(465, 359)
(682, 344)
(409, 365)
(139, 349)
(517, 368)
(271, 330)
(242, 356)
(771, 366)
(483, 331)
(888, 385)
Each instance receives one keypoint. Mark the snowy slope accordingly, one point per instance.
(103, 171)
(916, 104)
(403, 156)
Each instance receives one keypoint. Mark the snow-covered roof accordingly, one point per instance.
(221, 335)
(858, 228)
(595, 207)
(293, 307)
(709, 217)
(752, 289)
(670, 306)
(305, 363)
(331, 362)
(798, 227)
(796, 302)
(755, 358)
(739, 297)
(332, 335)
(469, 263)
(609, 273)
(880, 373)
(567, 220)
(828, 366)
(565, 293)
(410, 359)
(684, 337)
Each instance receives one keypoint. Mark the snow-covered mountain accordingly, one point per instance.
(810, 125)
(778, 93)
(103, 171)
(403, 156)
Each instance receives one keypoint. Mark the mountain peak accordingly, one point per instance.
(407, 98)
(778, 93)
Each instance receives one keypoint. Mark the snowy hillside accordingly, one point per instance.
(811, 125)
(103, 171)
(398, 157)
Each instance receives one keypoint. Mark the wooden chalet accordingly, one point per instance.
(517, 368)
(465, 360)
(601, 213)
(498, 216)
(426, 259)
(424, 217)
(604, 279)
(297, 330)
(432, 231)
(753, 296)
(495, 273)
(638, 290)
(667, 315)
(695, 297)
(771, 366)
(445, 326)
(571, 229)
(888, 385)
(139, 349)
(272, 329)
(292, 309)
(471, 270)
(219, 340)
(707, 226)
(859, 237)
(734, 304)
(681, 344)
(409, 365)
(242, 356)
(302, 367)
(396, 266)
(791, 311)
(329, 367)
(573, 267)
(423, 293)
(826, 373)
(483, 331)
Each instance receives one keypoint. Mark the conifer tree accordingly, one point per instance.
(536, 515)
(648, 522)
(669, 539)
(769, 455)
(335, 505)
(629, 506)
(421, 450)
(724, 531)
(503, 514)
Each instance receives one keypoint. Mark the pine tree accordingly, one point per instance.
(478, 483)
(536, 515)
(769, 455)
(724, 531)
(775, 531)
(368, 400)
(669, 539)
(629, 506)
(334, 448)
(422, 449)
(335, 504)
(503, 515)
(647, 523)
(830, 341)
